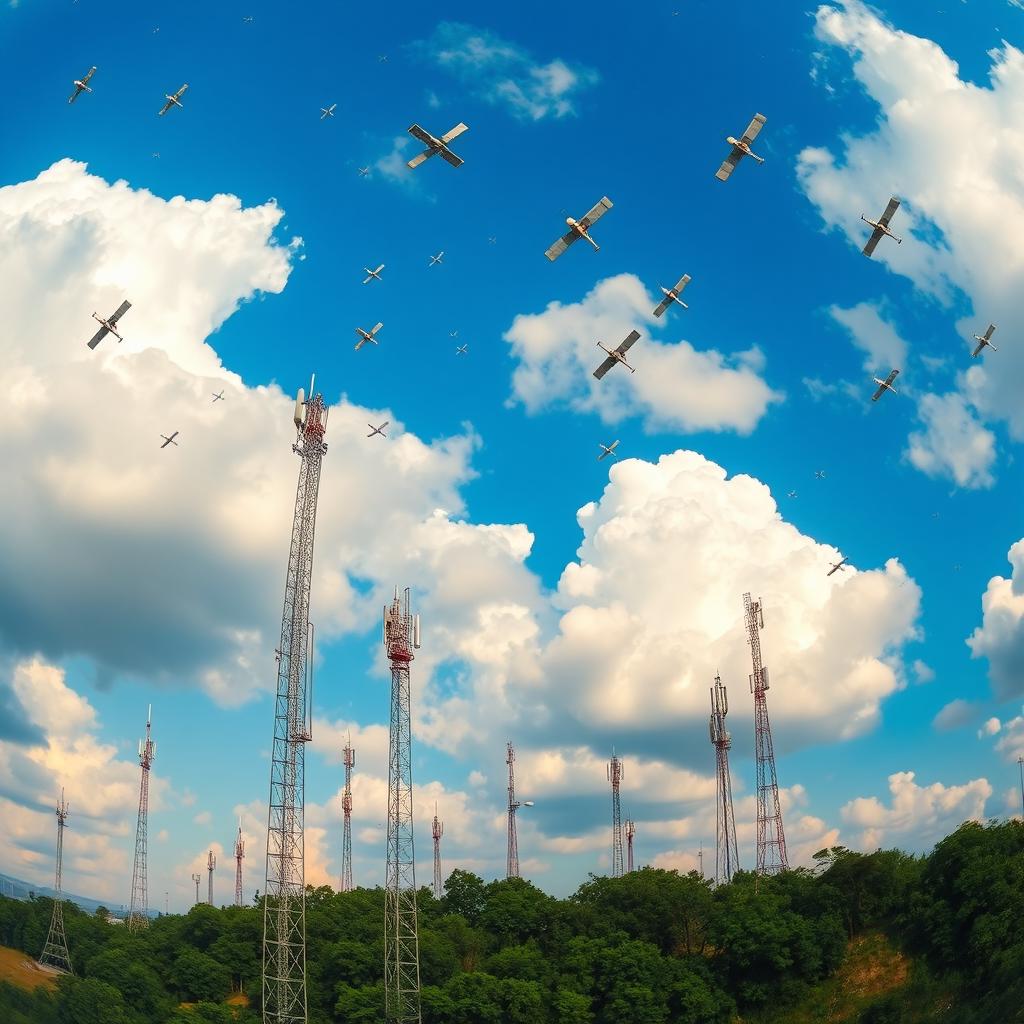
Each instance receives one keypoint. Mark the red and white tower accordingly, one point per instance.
(771, 839)
(512, 856)
(239, 857)
(401, 937)
(615, 778)
(438, 831)
(138, 913)
(55, 952)
(726, 855)
(630, 832)
(346, 806)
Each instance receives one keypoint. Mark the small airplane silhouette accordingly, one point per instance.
(169, 440)
(219, 397)
(438, 258)
(461, 350)
(373, 275)
(382, 58)
(791, 494)
(377, 430)
(492, 239)
(819, 474)
(364, 171)
(327, 111)
(836, 566)
(607, 449)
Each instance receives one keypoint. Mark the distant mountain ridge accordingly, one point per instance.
(16, 889)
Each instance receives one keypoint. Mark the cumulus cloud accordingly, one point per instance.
(1011, 738)
(953, 444)
(676, 387)
(883, 348)
(505, 74)
(963, 209)
(954, 715)
(990, 727)
(1000, 637)
(917, 816)
(923, 673)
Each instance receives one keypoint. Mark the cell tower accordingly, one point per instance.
(438, 831)
(211, 863)
(346, 806)
(512, 860)
(726, 853)
(630, 832)
(771, 839)
(197, 878)
(284, 903)
(401, 941)
(138, 914)
(615, 777)
(239, 857)
(55, 952)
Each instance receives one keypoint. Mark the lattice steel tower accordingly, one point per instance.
(284, 904)
(726, 853)
(346, 806)
(138, 913)
(615, 777)
(401, 941)
(239, 857)
(55, 952)
(512, 858)
(197, 878)
(211, 863)
(438, 830)
(771, 839)
(630, 832)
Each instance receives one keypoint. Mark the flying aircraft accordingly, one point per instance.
(365, 336)
(461, 350)
(741, 148)
(672, 295)
(364, 171)
(578, 229)
(219, 397)
(881, 227)
(175, 100)
(109, 326)
(836, 566)
(617, 355)
(81, 85)
(169, 440)
(382, 58)
(435, 146)
(819, 474)
(327, 111)
(453, 334)
(377, 430)
(983, 340)
(607, 449)
(248, 19)
(438, 258)
(374, 274)
(885, 385)
(492, 239)
(791, 494)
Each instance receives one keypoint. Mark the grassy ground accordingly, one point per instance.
(20, 969)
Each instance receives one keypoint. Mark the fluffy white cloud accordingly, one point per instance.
(1000, 637)
(963, 209)
(1011, 738)
(923, 673)
(990, 727)
(675, 386)
(874, 336)
(917, 815)
(505, 74)
(954, 443)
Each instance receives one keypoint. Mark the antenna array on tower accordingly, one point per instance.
(615, 778)
(138, 914)
(346, 806)
(239, 857)
(55, 951)
(438, 831)
(726, 855)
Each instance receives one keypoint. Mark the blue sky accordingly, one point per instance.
(640, 117)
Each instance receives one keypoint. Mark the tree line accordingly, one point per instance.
(652, 947)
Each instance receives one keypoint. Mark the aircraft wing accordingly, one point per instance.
(454, 133)
(976, 352)
(181, 91)
(878, 393)
(662, 306)
(729, 164)
(869, 246)
(417, 160)
(425, 137)
(596, 212)
(557, 248)
(605, 367)
(894, 205)
(74, 96)
(89, 74)
(376, 329)
(455, 161)
(631, 339)
(120, 312)
(991, 330)
(753, 129)
(681, 284)
(167, 106)
(360, 343)
(98, 337)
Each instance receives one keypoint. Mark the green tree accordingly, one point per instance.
(197, 977)
(90, 1001)
(464, 895)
